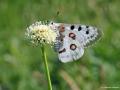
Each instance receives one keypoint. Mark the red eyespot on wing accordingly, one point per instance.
(61, 28)
(72, 35)
(73, 46)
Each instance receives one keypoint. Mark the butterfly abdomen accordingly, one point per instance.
(57, 45)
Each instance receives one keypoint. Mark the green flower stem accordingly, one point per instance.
(46, 67)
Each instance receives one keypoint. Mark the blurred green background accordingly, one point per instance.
(21, 65)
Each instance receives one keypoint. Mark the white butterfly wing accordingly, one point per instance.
(71, 50)
(74, 39)
(86, 35)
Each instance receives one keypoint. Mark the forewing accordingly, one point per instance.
(86, 35)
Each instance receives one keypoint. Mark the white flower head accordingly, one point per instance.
(40, 33)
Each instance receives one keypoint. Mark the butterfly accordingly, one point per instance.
(72, 39)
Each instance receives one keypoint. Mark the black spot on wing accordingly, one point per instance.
(72, 27)
(87, 26)
(91, 36)
(87, 32)
(64, 50)
(79, 28)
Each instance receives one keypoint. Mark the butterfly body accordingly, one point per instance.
(72, 39)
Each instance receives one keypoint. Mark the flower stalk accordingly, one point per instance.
(46, 67)
(41, 34)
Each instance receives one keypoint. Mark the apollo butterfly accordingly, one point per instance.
(72, 39)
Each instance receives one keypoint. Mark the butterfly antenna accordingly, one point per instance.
(56, 15)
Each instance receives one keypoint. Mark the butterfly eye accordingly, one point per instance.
(51, 23)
